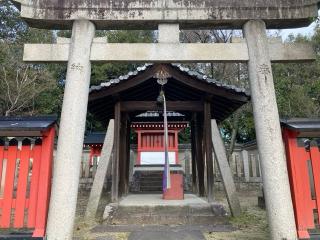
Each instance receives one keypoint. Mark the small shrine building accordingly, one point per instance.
(195, 97)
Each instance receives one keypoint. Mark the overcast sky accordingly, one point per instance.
(307, 31)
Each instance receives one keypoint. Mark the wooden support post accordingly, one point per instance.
(122, 155)
(199, 155)
(194, 160)
(208, 151)
(127, 173)
(99, 179)
(115, 164)
(225, 171)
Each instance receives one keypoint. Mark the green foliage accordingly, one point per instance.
(24, 88)
(184, 135)
(21, 86)
(11, 26)
(105, 72)
(298, 85)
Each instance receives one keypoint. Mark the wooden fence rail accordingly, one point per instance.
(244, 163)
(25, 175)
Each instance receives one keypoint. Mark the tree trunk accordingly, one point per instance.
(235, 128)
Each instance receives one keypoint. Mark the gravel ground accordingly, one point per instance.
(251, 225)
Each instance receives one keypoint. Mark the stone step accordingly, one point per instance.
(151, 183)
(164, 215)
(315, 233)
(167, 219)
(151, 189)
(151, 177)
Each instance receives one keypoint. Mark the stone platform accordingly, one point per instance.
(151, 209)
(153, 200)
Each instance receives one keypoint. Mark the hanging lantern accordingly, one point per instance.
(162, 77)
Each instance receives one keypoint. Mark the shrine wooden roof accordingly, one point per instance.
(302, 124)
(185, 92)
(94, 138)
(26, 125)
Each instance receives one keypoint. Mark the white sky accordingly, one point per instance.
(306, 31)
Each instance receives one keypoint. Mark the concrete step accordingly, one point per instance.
(151, 177)
(315, 233)
(167, 220)
(167, 215)
(151, 183)
(151, 189)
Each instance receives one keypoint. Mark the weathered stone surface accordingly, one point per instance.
(72, 127)
(100, 176)
(169, 52)
(225, 171)
(168, 235)
(138, 14)
(267, 124)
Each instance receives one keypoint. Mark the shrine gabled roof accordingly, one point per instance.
(151, 114)
(22, 126)
(183, 85)
(93, 138)
(191, 73)
(301, 124)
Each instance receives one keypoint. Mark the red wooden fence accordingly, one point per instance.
(25, 175)
(304, 173)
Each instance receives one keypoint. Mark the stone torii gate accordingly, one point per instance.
(84, 17)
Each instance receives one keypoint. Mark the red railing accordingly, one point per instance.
(304, 173)
(25, 174)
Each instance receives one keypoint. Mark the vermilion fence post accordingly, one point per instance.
(8, 189)
(315, 158)
(34, 186)
(25, 172)
(22, 186)
(44, 183)
(1, 170)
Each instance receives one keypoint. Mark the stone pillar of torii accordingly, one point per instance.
(84, 17)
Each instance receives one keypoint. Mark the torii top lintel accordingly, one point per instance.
(147, 14)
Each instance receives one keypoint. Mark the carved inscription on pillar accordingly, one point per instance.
(77, 67)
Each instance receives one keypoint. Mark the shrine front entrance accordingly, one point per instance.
(193, 100)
